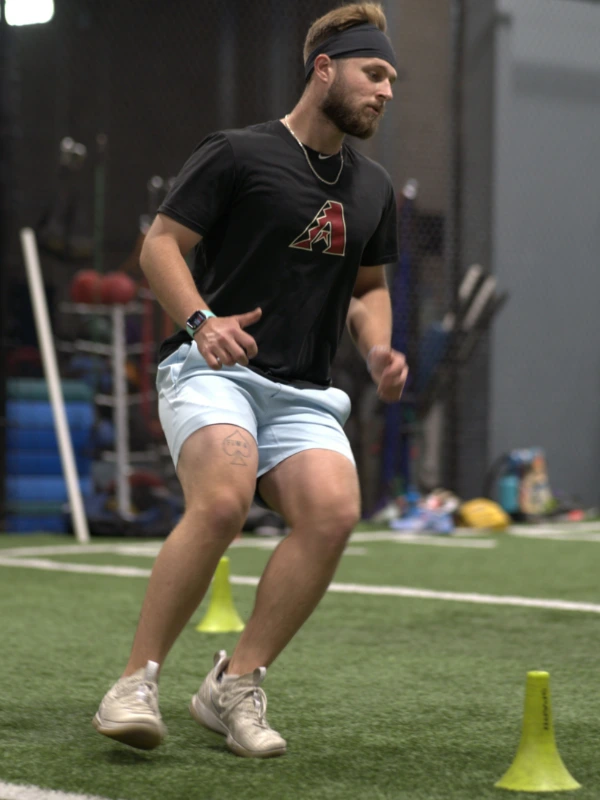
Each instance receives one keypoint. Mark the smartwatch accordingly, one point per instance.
(197, 320)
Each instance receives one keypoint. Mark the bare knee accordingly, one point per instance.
(221, 514)
(329, 526)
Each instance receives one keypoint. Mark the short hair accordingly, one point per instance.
(339, 19)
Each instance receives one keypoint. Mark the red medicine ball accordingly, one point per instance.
(86, 286)
(117, 287)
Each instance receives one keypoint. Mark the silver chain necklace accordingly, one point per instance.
(308, 161)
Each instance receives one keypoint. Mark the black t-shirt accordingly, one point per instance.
(275, 236)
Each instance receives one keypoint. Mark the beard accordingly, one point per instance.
(337, 108)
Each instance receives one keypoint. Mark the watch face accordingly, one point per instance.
(196, 320)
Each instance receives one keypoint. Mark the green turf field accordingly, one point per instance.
(379, 696)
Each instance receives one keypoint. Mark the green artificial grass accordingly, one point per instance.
(378, 697)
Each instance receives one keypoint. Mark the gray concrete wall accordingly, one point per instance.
(546, 344)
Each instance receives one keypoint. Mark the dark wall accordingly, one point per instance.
(155, 77)
(470, 446)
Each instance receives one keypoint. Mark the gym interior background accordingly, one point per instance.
(492, 146)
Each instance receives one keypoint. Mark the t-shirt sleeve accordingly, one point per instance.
(382, 247)
(203, 190)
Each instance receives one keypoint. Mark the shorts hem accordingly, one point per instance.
(284, 456)
(197, 423)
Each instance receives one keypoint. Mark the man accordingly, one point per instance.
(292, 228)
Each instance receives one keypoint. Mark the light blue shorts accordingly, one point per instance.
(283, 420)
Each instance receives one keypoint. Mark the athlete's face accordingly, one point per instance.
(355, 101)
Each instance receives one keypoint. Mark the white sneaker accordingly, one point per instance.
(129, 711)
(236, 707)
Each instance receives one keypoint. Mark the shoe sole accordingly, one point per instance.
(209, 720)
(134, 734)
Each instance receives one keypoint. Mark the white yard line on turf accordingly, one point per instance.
(144, 549)
(426, 539)
(151, 549)
(17, 791)
(343, 588)
(85, 569)
(355, 551)
(561, 527)
(559, 534)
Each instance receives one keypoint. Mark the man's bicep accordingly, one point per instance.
(369, 278)
(185, 238)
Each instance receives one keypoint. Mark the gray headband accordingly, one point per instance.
(360, 41)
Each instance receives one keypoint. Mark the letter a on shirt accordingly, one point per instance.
(328, 226)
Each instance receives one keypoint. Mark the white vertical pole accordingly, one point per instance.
(44, 334)
(120, 411)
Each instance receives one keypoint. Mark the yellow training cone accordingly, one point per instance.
(538, 766)
(221, 616)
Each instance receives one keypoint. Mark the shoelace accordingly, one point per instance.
(259, 699)
(144, 698)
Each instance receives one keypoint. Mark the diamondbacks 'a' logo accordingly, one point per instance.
(329, 226)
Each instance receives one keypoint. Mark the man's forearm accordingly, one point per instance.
(370, 320)
(170, 278)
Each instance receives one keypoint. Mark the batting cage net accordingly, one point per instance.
(101, 107)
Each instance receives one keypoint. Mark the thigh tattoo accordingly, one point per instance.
(237, 448)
